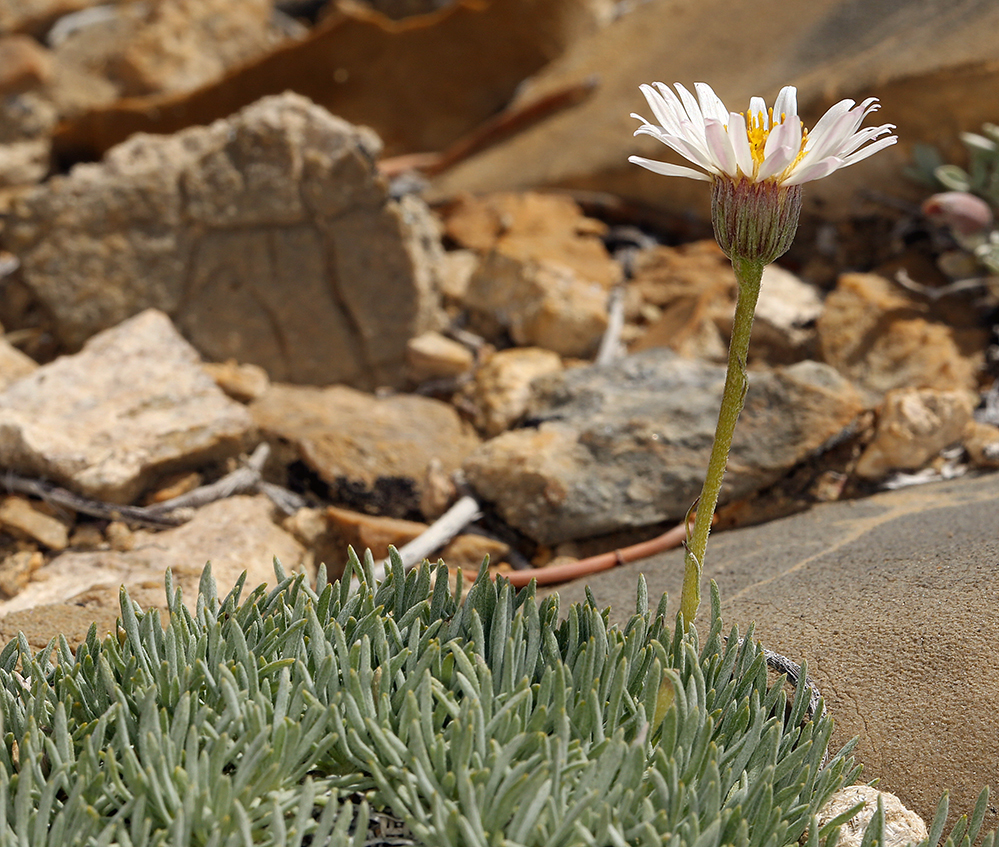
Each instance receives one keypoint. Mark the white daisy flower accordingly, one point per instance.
(760, 145)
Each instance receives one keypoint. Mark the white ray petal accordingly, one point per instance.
(776, 161)
(870, 150)
(693, 151)
(720, 146)
(711, 104)
(786, 103)
(692, 108)
(667, 169)
(758, 107)
(814, 170)
(740, 142)
(660, 107)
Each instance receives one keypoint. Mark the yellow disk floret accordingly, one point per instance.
(758, 129)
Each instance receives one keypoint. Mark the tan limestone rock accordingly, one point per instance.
(173, 485)
(539, 227)
(981, 440)
(539, 304)
(24, 518)
(242, 382)
(435, 356)
(35, 16)
(684, 298)
(13, 364)
(370, 532)
(16, 570)
(132, 404)
(468, 551)
(267, 236)
(872, 332)
(545, 274)
(913, 426)
(502, 387)
(455, 272)
(314, 530)
(182, 44)
(373, 452)
(24, 64)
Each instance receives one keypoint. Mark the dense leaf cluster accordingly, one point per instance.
(286, 717)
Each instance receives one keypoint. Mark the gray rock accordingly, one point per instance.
(375, 453)
(236, 534)
(266, 236)
(891, 600)
(626, 445)
(132, 404)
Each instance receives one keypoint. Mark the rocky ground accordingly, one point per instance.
(277, 280)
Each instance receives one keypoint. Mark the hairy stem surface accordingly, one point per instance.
(749, 274)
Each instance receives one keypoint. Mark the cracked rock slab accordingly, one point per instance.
(267, 236)
(891, 600)
(626, 445)
(105, 422)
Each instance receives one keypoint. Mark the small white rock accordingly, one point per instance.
(902, 826)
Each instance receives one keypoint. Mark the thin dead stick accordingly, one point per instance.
(782, 664)
(960, 286)
(173, 512)
(440, 532)
(492, 131)
(239, 481)
(95, 508)
(610, 344)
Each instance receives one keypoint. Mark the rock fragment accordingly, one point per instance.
(22, 517)
(873, 333)
(133, 404)
(913, 426)
(13, 364)
(684, 298)
(531, 225)
(16, 570)
(435, 356)
(241, 382)
(545, 274)
(981, 440)
(502, 388)
(24, 64)
(626, 445)
(538, 304)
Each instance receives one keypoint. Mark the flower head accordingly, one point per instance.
(757, 161)
(761, 145)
